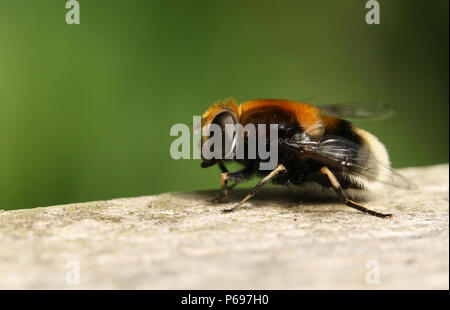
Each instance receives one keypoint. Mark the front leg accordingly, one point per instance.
(236, 177)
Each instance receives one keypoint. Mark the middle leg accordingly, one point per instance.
(280, 168)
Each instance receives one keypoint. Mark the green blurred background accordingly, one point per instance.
(85, 110)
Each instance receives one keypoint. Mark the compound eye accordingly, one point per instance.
(227, 123)
(224, 118)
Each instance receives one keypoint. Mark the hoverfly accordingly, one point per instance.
(315, 144)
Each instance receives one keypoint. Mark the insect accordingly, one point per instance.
(315, 144)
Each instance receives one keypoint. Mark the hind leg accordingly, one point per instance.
(343, 197)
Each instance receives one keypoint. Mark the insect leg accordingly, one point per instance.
(343, 197)
(223, 183)
(236, 177)
(256, 189)
(222, 167)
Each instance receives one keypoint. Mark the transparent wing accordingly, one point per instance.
(351, 158)
(359, 110)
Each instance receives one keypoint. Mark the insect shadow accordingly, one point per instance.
(292, 197)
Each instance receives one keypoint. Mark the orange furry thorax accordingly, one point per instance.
(266, 111)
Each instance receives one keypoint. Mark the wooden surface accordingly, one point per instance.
(282, 240)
